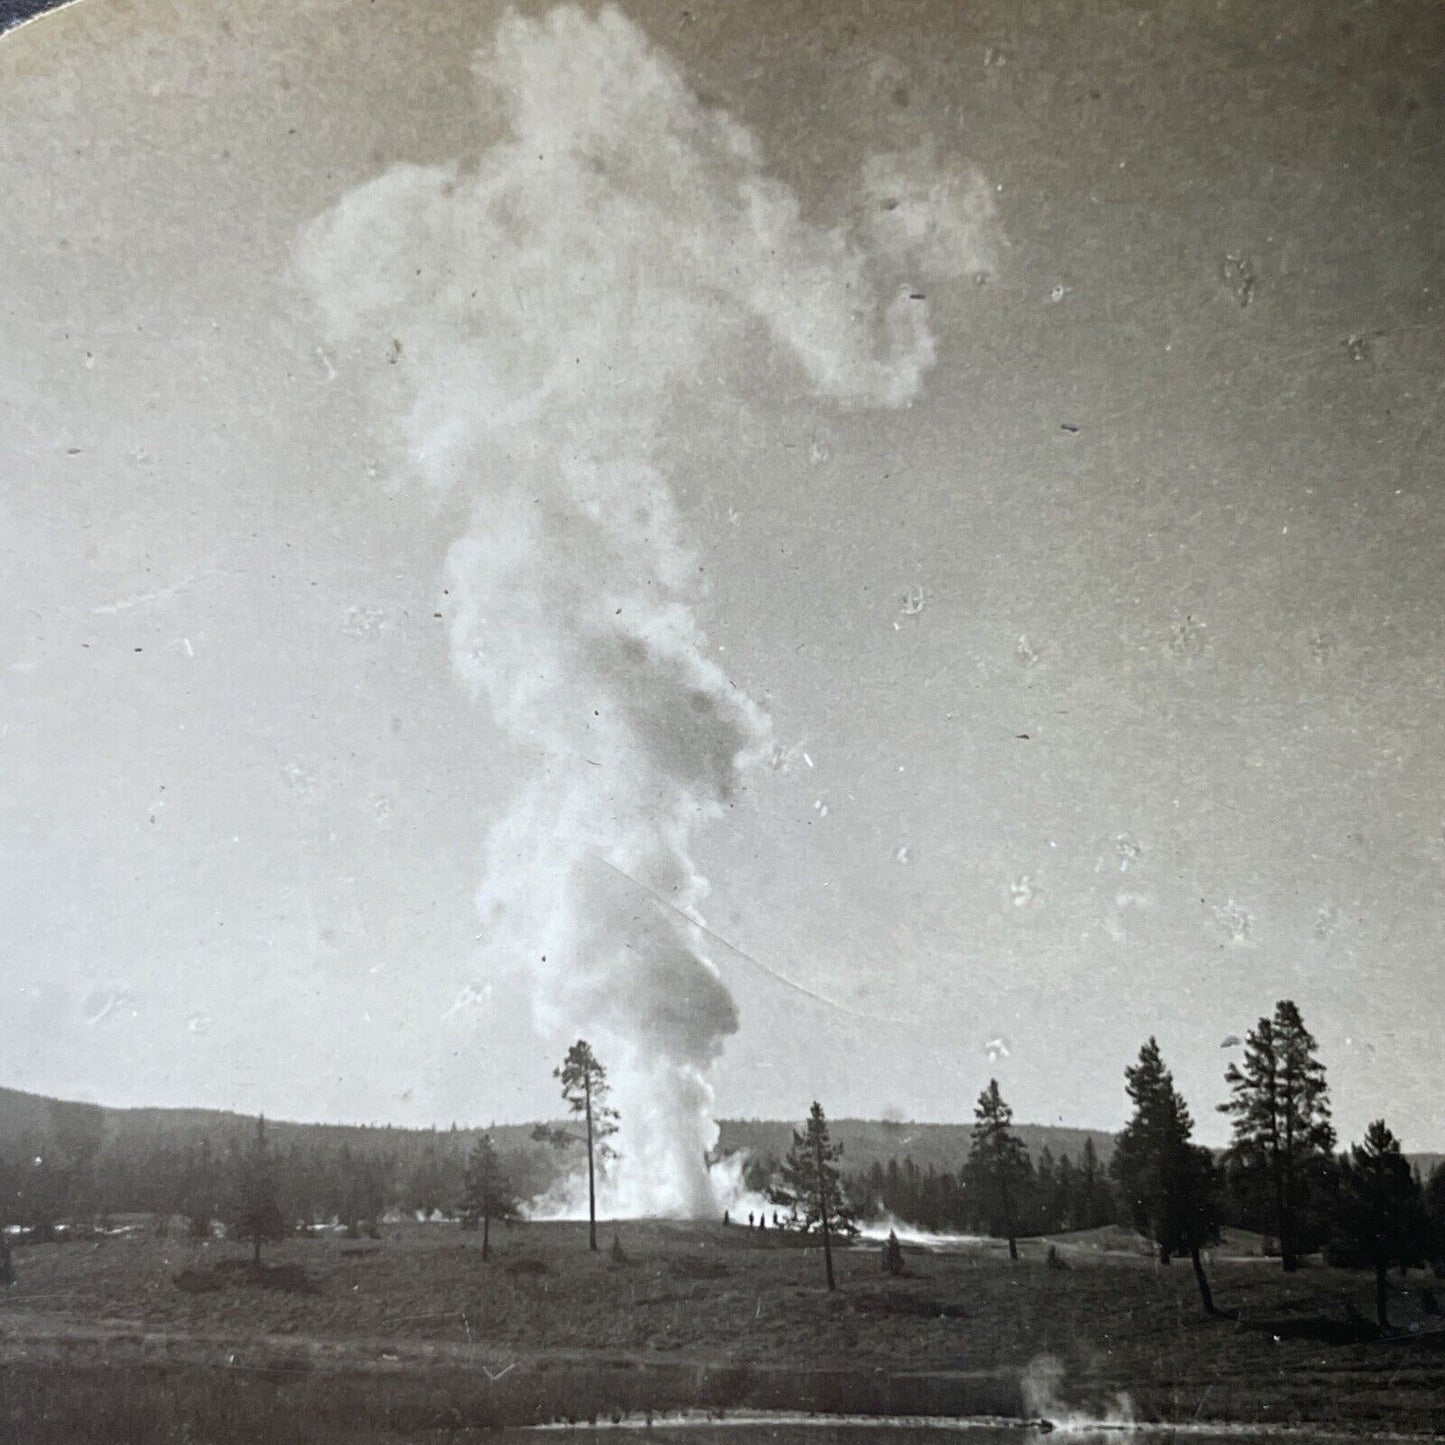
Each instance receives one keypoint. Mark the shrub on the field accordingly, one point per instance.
(893, 1255)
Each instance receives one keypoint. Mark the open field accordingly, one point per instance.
(416, 1331)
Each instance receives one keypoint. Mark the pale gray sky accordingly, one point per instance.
(1104, 668)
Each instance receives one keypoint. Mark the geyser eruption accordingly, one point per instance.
(541, 308)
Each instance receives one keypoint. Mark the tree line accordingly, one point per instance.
(50, 1181)
(1280, 1176)
(66, 1181)
(1054, 1195)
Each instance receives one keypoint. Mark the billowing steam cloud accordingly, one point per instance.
(545, 305)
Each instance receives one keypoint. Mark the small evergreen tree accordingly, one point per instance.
(1095, 1204)
(1066, 1195)
(1280, 1107)
(893, 1255)
(585, 1089)
(489, 1193)
(1379, 1214)
(812, 1186)
(294, 1189)
(200, 1187)
(358, 1190)
(256, 1214)
(426, 1184)
(1434, 1205)
(998, 1170)
(1044, 1212)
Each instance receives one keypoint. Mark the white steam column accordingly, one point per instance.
(545, 301)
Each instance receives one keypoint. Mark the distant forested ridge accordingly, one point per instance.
(62, 1159)
(865, 1141)
(875, 1141)
(65, 1160)
(97, 1160)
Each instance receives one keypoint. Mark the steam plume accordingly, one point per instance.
(545, 304)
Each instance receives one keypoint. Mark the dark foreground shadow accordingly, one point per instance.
(240, 1273)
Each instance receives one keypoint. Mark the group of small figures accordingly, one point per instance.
(756, 1219)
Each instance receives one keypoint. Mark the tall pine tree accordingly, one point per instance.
(585, 1088)
(812, 1186)
(1281, 1112)
(1166, 1181)
(998, 1170)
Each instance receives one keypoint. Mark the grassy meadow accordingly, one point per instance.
(138, 1338)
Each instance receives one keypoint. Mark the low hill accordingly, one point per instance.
(34, 1117)
(943, 1147)
(31, 1118)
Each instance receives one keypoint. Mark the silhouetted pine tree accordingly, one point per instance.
(1066, 1193)
(256, 1213)
(1096, 1204)
(1280, 1107)
(1166, 1182)
(869, 1191)
(812, 1187)
(998, 1169)
(1434, 1205)
(1043, 1212)
(585, 1089)
(1379, 1216)
(489, 1192)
